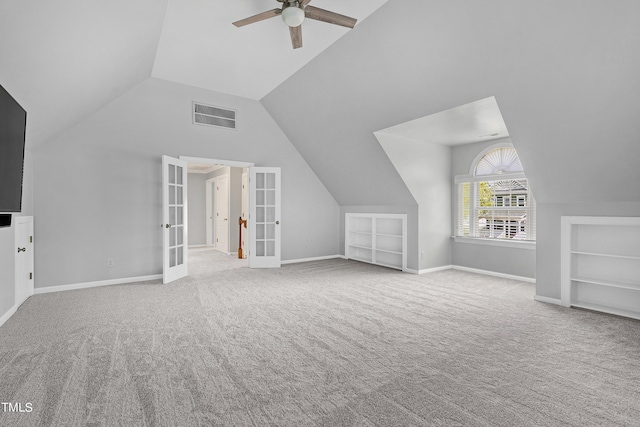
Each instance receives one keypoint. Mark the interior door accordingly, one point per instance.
(24, 258)
(222, 213)
(264, 217)
(174, 214)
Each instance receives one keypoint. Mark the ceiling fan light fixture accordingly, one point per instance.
(292, 14)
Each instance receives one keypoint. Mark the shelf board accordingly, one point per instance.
(360, 259)
(397, 267)
(609, 283)
(606, 255)
(389, 251)
(360, 247)
(389, 235)
(607, 309)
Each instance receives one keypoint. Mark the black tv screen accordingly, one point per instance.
(13, 121)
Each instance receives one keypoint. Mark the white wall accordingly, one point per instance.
(197, 209)
(505, 260)
(425, 168)
(98, 186)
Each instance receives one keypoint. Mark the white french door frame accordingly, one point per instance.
(209, 208)
(264, 217)
(174, 219)
(251, 234)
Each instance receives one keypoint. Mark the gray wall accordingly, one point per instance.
(197, 209)
(98, 186)
(425, 169)
(506, 260)
(567, 85)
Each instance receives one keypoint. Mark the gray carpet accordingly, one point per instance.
(328, 343)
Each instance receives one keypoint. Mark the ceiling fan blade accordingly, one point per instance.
(305, 2)
(330, 17)
(296, 36)
(259, 17)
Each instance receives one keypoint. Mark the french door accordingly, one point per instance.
(174, 214)
(264, 217)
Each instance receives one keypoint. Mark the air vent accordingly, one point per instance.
(213, 116)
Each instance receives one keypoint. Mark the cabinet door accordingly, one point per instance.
(24, 258)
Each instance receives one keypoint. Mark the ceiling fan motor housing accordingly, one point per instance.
(292, 13)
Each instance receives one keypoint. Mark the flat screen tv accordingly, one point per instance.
(13, 121)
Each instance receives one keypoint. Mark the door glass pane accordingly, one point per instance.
(172, 236)
(179, 175)
(271, 214)
(179, 198)
(180, 219)
(172, 194)
(259, 231)
(259, 198)
(271, 180)
(172, 215)
(172, 174)
(180, 259)
(271, 197)
(259, 215)
(180, 235)
(260, 248)
(271, 248)
(259, 180)
(271, 231)
(172, 257)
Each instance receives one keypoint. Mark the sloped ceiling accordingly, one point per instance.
(200, 47)
(565, 74)
(63, 60)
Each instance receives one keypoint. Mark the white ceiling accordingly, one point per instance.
(63, 60)
(200, 47)
(473, 122)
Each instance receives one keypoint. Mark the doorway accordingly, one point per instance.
(258, 201)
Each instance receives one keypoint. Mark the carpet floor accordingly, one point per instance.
(326, 343)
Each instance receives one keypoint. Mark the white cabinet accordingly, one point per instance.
(601, 264)
(377, 238)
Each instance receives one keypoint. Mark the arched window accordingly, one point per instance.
(495, 201)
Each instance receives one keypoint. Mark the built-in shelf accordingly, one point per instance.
(601, 264)
(377, 238)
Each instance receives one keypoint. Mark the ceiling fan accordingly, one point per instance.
(293, 13)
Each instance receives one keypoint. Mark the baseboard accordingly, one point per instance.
(60, 288)
(428, 270)
(8, 314)
(495, 274)
(548, 300)
(318, 258)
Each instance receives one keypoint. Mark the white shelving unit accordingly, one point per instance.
(377, 239)
(601, 264)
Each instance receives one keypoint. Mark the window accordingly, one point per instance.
(495, 202)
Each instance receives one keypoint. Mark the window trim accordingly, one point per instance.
(471, 178)
(520, 244)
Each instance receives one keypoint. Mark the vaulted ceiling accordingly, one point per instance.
(565, 75)
(65, 59)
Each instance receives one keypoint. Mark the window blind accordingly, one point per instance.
(496, 209)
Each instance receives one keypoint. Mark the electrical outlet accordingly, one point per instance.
(422, 255)
(109, 262)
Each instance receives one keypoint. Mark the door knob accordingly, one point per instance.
(277, 222)
(22, 250)
(167, 226)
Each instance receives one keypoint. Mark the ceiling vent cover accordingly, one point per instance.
(213, 116)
